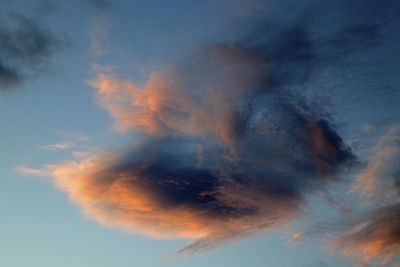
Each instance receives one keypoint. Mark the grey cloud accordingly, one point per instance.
(26, 47)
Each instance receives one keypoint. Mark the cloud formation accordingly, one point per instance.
(380, 177)
(230, 147)
(232, 138)
(374, 238)
(25, 49)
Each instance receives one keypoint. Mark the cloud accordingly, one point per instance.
(375, 238)
(378, 180)
(233, 137)
(26, 48)
(230, 148)
(371, 237)
(30, 171)
(72, 141)
(8, 77)
(158, 188)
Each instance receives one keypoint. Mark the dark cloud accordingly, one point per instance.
(8, 77)
(233, 145)
(26, 47)
(236, 134)
(372, 237)
(100, 4)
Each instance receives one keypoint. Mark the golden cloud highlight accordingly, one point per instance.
(114, 199)
(375, 239)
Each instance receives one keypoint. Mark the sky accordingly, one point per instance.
(199, 133)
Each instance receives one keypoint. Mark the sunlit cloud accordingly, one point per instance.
(31, 171)
(374, 238)
(60, 146)
(378, 178)
(73, 140)
(232, 139)
(229, 149)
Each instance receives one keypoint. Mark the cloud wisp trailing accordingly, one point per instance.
(374, 238)
(72, 140)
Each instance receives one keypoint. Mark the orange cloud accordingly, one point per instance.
(122, 199)
(377, 179)
(224, 153)
(176, 102)
(375, 239)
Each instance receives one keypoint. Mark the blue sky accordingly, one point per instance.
(212, 133)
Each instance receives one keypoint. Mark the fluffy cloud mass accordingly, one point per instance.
(228, 147)
(232, 139)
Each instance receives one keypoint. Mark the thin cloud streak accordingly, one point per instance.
(59, 146)
(374, 238)
(378, 180)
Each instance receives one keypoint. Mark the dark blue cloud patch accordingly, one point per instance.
(238, 144)
(26, 48)
(236, 133)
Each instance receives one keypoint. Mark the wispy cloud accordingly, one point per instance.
(378, 179)
(374, 238)
(98, 33)
(234, 138)
(31, 171)
(231, 149)
(73, 140)
(59, 146)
